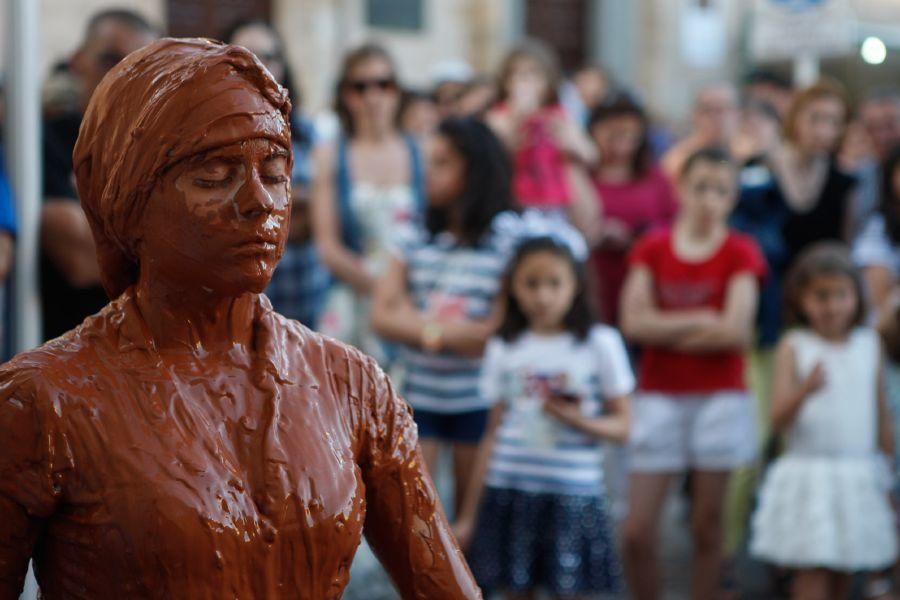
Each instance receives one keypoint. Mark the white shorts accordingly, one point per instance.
(681, 432)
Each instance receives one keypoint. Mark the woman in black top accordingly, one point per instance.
(818, 194)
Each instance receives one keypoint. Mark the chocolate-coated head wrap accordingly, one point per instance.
(166, 102)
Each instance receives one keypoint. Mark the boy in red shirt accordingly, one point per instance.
(689, 300)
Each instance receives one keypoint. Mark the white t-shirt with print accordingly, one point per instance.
(534, 451)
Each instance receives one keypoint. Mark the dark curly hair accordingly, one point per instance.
(488, 174)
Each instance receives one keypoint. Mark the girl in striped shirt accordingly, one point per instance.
(560, 386)
(439, 296)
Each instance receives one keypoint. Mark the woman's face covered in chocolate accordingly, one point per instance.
(183, 166)
(219, 219)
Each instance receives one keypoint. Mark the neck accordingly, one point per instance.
(194, 319)
(454, 223)
(367, 131)
(616, 171)
(546, 328)
(804, 156)
(700, 232)
(834, 336)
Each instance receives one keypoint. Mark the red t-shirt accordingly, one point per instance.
(681, 285)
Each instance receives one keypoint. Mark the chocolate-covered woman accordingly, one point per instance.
(187, 441)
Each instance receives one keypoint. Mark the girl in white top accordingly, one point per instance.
(824, 507)
(560, 385)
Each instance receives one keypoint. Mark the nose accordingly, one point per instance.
(543, 296)
(373, 95)
(252, 198)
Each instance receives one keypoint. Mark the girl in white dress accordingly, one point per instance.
(824, 507)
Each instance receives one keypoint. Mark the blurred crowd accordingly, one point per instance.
(548, 272)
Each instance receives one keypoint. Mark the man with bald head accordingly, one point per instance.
(714, 121)
(879, 116)
(70, 277)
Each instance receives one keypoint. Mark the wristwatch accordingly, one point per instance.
(432, 334)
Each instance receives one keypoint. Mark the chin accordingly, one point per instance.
(256, 285)
(242, 284)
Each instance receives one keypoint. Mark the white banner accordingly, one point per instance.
(784, 29)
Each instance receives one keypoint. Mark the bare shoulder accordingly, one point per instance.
(325, 155)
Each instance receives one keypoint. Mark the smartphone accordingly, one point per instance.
(570, 397)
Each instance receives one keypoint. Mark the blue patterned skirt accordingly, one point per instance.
(525, 541)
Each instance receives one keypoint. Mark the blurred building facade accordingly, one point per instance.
(663, 48)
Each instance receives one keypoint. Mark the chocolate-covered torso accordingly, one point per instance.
(213, 477)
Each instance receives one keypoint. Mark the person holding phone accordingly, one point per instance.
(535, 516)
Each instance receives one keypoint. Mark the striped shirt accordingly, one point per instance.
(535, 452)
(448, 280)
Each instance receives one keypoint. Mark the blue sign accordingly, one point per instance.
(800, 5)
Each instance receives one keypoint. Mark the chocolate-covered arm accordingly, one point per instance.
(29, 485)
(18, 534)
(405, 523)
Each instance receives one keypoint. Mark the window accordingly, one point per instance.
(395, 14)
(563, 25)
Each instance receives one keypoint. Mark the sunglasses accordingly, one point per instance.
(361, 86)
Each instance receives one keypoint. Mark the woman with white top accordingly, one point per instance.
(368, 184)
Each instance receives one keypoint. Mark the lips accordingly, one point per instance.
(258, 245)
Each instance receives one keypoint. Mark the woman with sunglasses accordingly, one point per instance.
(367, 185)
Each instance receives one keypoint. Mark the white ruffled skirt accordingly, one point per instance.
(831, 513)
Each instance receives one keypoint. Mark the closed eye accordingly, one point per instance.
(274, 168)
(216, 172)
(213, 183)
